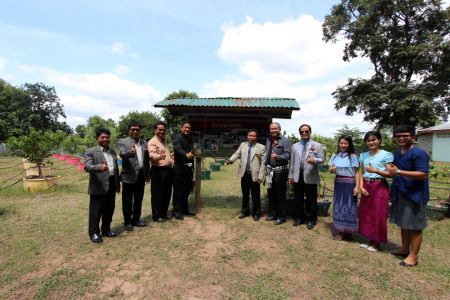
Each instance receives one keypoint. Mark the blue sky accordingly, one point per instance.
(112, 57)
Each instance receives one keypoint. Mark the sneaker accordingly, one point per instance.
(372, 249)
(365, 246)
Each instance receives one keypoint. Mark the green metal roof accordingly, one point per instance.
(288, 103)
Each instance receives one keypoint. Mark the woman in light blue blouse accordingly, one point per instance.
(373, 207)
(345, 165)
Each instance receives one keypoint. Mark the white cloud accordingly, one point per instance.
(290, 51)
(121, 70)
(118, 48)
(103, 94)
(287, 59)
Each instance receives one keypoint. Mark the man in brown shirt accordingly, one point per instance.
(161, 173)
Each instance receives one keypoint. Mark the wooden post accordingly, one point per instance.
(198, 182)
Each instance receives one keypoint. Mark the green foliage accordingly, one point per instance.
(31, 106)
(74, 144)
(36, 146)
(146, 118)
(328, 144)
(407, 44)
(13, 110)
(95, 122)
(174, 122)
(355, 133)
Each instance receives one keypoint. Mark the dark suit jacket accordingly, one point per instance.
(130, 165)
(98, 180)
(181, 146)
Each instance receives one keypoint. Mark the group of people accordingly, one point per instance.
(280, 163)
(277, 163)
(167, 172)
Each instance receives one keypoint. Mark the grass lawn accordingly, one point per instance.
(45, 252)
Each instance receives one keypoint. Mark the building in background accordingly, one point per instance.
(435, 141)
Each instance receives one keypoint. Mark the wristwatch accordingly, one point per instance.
(398, 172)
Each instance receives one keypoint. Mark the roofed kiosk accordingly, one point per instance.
(219, 123)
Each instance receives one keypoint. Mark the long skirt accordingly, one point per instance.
(373, 211)
(345, 216)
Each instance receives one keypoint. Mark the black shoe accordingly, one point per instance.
(95, 238)
(270, 218)
(139, 224)
(160, 220)
(310, 225)
(279, 221)
(256, 217)
(298, 222)
(128, 227)
(190, 214)
(109, 233)
(177, 216)
(243, 215)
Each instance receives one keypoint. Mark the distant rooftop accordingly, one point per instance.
(437, 128)
(232, 102)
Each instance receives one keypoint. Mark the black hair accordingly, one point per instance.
(406, 129)
(99, 132)
(368, 134)
(252, 130)
(155, 126)
(134, 123)
(351, 147)
(185, 122)
(303, 125)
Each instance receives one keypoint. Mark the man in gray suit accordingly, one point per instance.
(101, 163)
(251, 170)
(135, 172)
(306, 157)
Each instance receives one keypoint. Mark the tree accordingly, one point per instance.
(13, 110)
(146, 118)
(36, 146)
(81, 131)
(408, 45)
(356, 134)
(174, 122)
(45, 107)
(74, 144)
(31, 106)
(95, 122)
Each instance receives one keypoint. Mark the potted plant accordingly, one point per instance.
(36, 147)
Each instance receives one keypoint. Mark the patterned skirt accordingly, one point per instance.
(373, 211)
(345, 216)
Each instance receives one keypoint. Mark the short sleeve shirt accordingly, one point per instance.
(415, 190)
(377, 161)
(345, 166)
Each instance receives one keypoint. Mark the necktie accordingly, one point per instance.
(302, 156)
(249, 157)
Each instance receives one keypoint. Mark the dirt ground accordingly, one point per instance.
(46, 254)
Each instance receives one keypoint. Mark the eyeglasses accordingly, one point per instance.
(402, 136)
(135, 129)
(304, 131)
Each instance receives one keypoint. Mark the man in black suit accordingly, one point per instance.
(101, 163)
(135, 172)
(183, 172)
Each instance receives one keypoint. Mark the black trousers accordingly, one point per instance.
(102, 207)
(182, 185)
(161, 190)
(247, 186)
(277, 195)
(305, 201)
(132, 195)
